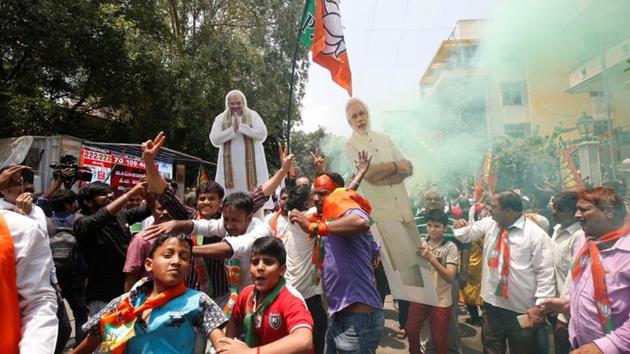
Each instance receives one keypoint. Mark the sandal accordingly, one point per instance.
(401, 334)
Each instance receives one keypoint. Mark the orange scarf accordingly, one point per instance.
(340, 201)
(117, 327)
(9, 307)
(501, 248)
(591, 250)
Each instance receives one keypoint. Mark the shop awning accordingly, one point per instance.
(165, 154)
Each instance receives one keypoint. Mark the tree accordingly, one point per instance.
(529, 164)
(303, 144)
(120, 70)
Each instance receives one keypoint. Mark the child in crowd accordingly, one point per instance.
(443, 257)
(158, 315)
(301, 271)
(271, 315)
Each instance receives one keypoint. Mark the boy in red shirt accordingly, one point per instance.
(270, 314)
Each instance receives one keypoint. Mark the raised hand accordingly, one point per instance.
(168, 227)
(151, 148)
(319, 161)
(363, 162)
(24, 202)
(286, 160)
(12, 176)
(140, 188)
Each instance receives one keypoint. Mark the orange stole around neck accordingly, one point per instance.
(10, 326)
(340, 201)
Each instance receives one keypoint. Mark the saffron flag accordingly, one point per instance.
(489, 173)
(321, 31)
(569, 177)
(202, 177)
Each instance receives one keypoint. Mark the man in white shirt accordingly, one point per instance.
(565, 234)
(239, 229)
(517, 275)
(30, 321)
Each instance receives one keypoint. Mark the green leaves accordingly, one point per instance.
(123, 70)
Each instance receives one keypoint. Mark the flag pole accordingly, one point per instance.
(295, 51)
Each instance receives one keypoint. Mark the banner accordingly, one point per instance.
(128, 169)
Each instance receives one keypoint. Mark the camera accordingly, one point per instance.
(69, 171)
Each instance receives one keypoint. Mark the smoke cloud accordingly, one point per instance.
(533, 43)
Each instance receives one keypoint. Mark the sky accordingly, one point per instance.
(390, 44)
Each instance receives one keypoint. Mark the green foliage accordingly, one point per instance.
(302, 144)
(528, 163)
(121, 70)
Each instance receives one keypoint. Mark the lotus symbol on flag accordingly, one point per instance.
(335, 42)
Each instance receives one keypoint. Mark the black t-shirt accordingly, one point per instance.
(103, 239)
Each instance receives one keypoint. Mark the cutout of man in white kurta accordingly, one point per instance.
(239, 133)
(408, 275)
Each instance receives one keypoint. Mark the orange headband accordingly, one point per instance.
(325, 182)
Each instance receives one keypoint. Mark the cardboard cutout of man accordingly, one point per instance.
(239, 132)
(395, 225)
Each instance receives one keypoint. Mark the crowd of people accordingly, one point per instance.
(144, 272)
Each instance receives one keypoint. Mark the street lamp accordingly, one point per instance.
(585, 124)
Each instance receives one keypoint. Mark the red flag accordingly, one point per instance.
(329, 45)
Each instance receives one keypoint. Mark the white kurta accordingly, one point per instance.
(218, 137)
(408, 275)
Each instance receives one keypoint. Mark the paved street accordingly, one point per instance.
(470, 336)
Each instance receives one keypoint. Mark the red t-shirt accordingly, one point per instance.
(286, 314)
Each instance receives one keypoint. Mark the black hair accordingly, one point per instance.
(566, 201)
(239, 200)
(164, 237)
(437, 215)
(284, 190)
(60, 198)
(298, 196)
(335, 177)
(510, 200)
(90, 191)
(210, 187)
(270, 246)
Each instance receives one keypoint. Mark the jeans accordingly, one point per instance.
(354, 332)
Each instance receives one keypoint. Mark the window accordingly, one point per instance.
(513, 93)
(517, 130)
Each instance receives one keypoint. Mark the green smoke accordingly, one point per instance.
(533, 43)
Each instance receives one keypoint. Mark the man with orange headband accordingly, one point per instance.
(599, 282)
(354, 305)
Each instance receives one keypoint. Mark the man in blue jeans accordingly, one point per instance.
(354, 304)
